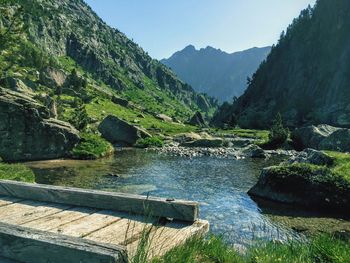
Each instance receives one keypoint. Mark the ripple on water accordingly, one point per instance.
(220, 185)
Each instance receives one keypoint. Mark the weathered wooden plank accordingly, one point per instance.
(61, 218)
(6, 200)
(164, 238)
(26, 211)
(34, 246)
(87, 225)
(158, 207)
(119, 232)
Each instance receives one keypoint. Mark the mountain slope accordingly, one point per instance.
(214, 72)
(306, 77)
(66, 36)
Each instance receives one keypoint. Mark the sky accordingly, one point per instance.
(162, 27)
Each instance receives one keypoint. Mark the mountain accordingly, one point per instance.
(65, 39)
(306, 77)
(215, 72)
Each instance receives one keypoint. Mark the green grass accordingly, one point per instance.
(262, 135)
(341, 164)
(100, 108)
(91, 146)
(320, 249)
(16, 172)
(150, 142)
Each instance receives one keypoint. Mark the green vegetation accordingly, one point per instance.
(92, 146)
(150, 142)
(321, 249)
(261, 135)
(278, 133)
(16, 172)
(341, 166)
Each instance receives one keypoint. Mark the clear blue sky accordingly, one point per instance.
(162, 27)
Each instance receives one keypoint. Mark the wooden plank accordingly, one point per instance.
(87, 225)
(26, 211)
(119, 232)
(158, 207)
(164, 238)
(61, 218)
(34, 246)
(6, 200)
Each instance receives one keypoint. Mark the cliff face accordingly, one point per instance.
(215, 72)
(306, 77)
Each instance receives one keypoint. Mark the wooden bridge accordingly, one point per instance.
(41, 223)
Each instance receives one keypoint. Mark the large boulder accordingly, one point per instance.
(197, 120)
(17, 85)
(187, 137)
(311, 156)
(164, 117)
(28, 133)
(312, 136)
(117, 131)
(337, 141)
(316, 188)
(53, 77)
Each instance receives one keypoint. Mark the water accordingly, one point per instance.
(220, 185)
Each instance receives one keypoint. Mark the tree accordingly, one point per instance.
(278, 133)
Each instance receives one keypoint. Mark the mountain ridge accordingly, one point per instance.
(218, 73)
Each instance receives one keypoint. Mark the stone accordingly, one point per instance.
(120, 101)
(117, 131)
(254, 151)
(28, 133)
(337, 141)
(53, 77)
(312, 156)
(210, 143)
(197, 120)
(313, 188)
(164, 117)
(312, 136)
(187, 137)
(17, 85)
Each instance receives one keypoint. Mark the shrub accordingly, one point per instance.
(278, 133)
(91, 146)
(150, 142)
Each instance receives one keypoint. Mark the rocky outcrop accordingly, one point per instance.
(53, 77)
(120, 101)
(197, 120)
(17, 85)
(28, 133)
(117, 131)
(311, 156)
(164, 117)
(322, 137)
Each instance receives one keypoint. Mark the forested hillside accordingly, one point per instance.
(306, 77)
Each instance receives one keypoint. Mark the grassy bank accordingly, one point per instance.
(323, 248)
(16, 172)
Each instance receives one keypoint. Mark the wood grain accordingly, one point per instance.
(158, 207)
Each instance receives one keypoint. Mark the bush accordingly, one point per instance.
(92, 146)
(150, 142)
(16, 172)
(278, 133)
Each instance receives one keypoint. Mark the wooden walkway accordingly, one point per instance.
(40, 223)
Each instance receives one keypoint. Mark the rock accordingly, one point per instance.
(27, 133)
(197, 120)
(210, 143)
(164, 117)
(203, 103)
(337, 141)
(312, 156)
(17, 85)
(258, 153)
(120, 101)
(312, 136)
(52, 77)
(117, 131)
(304, 186)
(187, 137)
